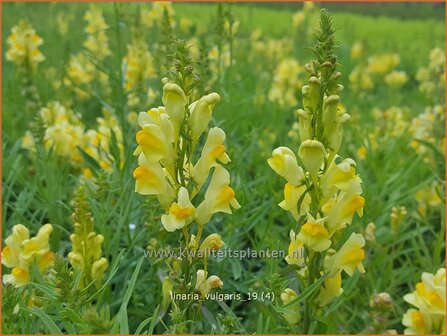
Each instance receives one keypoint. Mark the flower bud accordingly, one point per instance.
(98, 268)
(304, 125)
(314, 92)
(174, 100)
(283, 162)
(312, 153)
(330, 109)
(201, 112)
(381, 301)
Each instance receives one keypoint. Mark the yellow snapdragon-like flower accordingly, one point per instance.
(295, 254)
(204, 284)
(212, 242)
(180, 213)
(349, 257)
(291, 313)
(330, 290)
(314, 234)
(341, 177)
(341, 209)
(284, 163)
(429, 299)
(292, 195)
(21, 251)
(24, 46)
(219, 197)
(213, 150)
(149, 177)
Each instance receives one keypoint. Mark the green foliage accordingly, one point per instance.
(38, 186)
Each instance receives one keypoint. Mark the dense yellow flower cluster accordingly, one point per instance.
(97, 42)
(152, 17)
(86, 243)
(391, 122)
(428, 127)
(429, 301)
(375, 69)
(432, 77)
(138, 68)
(24, 46)
(302, 20)
(21, 252)
(81, 72)
(267, 48)
(395, 79)
(65, 132)
(428, 197)
(323, 193)
(286, 82)
(165, 162)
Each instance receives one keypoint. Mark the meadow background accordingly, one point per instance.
(37, 190)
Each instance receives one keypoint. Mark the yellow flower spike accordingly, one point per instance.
(291, 314)
(213, 150)
(201, 111)
(24, 46)
(305, 125)
(149, 178)
(174, 100)
(292, 194)
(283, 162)
(296, 250)
(349, 257)
(211, 243)
(314, 234)
(330, 290)
(218, 197)
(180, 213)
(416, 322)
(312, 153)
